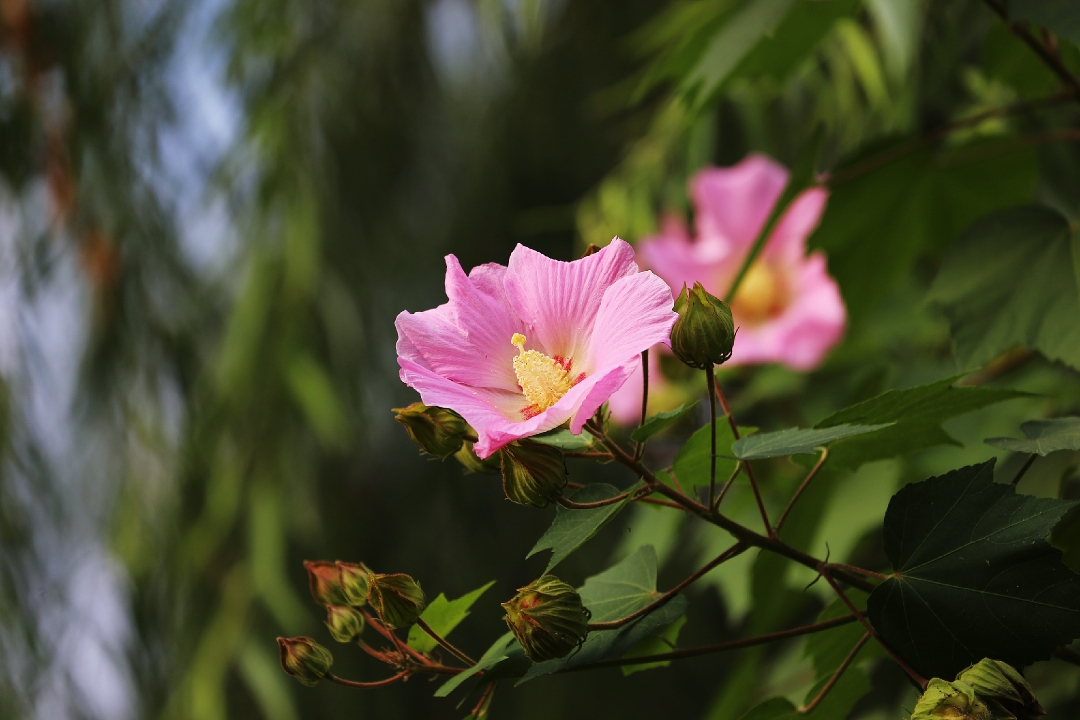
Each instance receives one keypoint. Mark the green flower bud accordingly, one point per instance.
(304, 659)
(355, 581)
(436, 430)
(397, 599)
(324, 579)
(345, 623)
(999, 684)
(473, 464)
(951, 701)
(533, 473)
(547, 618)
(704, 333)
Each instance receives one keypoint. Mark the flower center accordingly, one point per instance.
(543, 380)
(762, 295)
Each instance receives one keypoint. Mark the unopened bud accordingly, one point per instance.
(950, 701)
(999, 684)
(438, 431)
(547, 618)
(324, 579)
(355, 580)
(472, 462)
(345, 623)
(397, 599)
(704, 333)
(304, 659)
(533, 473)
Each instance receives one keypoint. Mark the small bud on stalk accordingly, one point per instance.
(355, 582)
(533, 473)
(324, 579)
(704, 333)
(547, 618)
(1004, 689)
(304, 659)
(397, 599)
(438, 431)
(345, 623)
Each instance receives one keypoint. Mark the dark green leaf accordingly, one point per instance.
(1012, 280)
(565, 440)
(1057, 16)
(660, 421)
(443, 616)
(795, 441)
(573, 528)
(1066, 538)
(837, 705)
(776, 708)
(653, 645)
(1043, 437)
(974, 576)
(916, 414)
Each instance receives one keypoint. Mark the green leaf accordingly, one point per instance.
(1012, 279)
(1066, 538)
(565, 440)
(653, 645)
(916, 414)
(837, 705)
(828, 648)
(913, 205)
(1058, 16)
(573, 528)
(795, 441)
(500, 651)
(443, 616)
(1043, 437)
(691, 464)
(613, 594)
(659, 422)
(974, 576)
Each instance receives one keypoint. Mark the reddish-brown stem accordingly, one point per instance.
(858, 570)
(721, 647)
(365, 685)
(919, 679)
(587, 454)
(392, 637)
(381, 656)
(807, 709)
(444, 643)
(727, 486)
(805, 483)
(749, 470)
(733, 551)
(639, 449)
(488, 692)
(1024, 468)
(571, 505)
(664, 503)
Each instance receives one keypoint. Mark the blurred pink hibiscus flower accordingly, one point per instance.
(521, 349)
(787, 309)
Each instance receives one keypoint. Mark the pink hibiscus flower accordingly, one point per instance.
(522, 349)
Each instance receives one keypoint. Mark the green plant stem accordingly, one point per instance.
(710, 383)
(1024, 468)
(916, 677)
(733, 551)
(365, 685)
(1046, 55)
(640, 447)
(769, 530)
(807, 709)
(721, 647)
(444, 642)
(802, 487)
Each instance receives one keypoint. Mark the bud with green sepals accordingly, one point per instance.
(355, 581)
(438, 431)
(345, 623)
(397, 599)
(324, 579)
(533, 473)
(704, 333)
(950, 701)
(548, 618)
(999, 684)
(304, 659)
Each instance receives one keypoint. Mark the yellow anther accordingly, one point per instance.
(543, 380)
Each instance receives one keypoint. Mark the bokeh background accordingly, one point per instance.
(212, 210)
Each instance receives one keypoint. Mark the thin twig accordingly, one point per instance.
(710, 382)
(721, 647)
(727, 486)
(489, 692)
(640, 447)
(807, 709)
(587, 454)
(919, 679)
(1024, 468)
(769, 530)
(365, 685)
(445, 643)
(571, 505)
(802, 487)
(663, 503)
(733, 551)
(1048, 56)
(392, 637)
(856, 569)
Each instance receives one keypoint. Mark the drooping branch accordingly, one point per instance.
(802, 487)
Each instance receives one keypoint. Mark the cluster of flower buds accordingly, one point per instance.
(343, 587)
(988, 690)
(704, 334)
(533, 473)
(547, 618)
(304, 659)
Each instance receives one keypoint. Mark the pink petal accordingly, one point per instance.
(787, 243)
(733, 203)
(679, 261)
(635, 314)
(558, 301)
